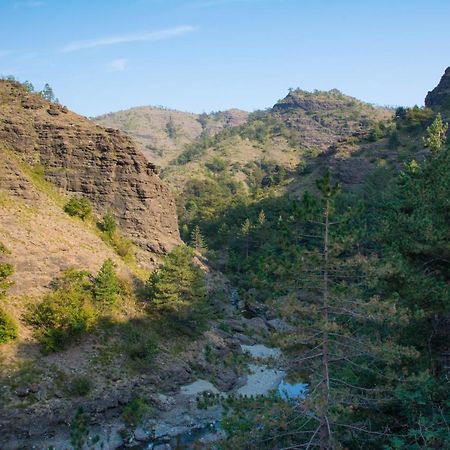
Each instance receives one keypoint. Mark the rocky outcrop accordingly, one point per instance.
(81, 158)
(320, 119)
(439, 98)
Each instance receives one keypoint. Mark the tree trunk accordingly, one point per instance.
(325, 435)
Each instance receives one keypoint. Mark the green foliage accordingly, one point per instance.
(112, 235)
(413, 119)
(79, 386)
(64, 314)
(79, 431)
(262, 423)
(78, 207)
(6, 270)
(403, 220)
(216, 165)
(171, 129)
(108, 223)
(135, 411)
(436, 135)
(48, 93)
(197, 240)
(106, 284)
(415, 233)
(122, 245)
(140, 344)
(178, 289)
(380, 130)
(28, 86)
(8, 327)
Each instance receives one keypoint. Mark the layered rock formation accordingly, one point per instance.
(81, 158)
(439, 98)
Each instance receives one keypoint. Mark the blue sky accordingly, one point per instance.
(203, 55)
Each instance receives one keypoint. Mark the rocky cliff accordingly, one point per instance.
(81, 158)
(439, 98)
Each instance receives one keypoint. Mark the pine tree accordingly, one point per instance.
(171, 129)
(261, 218)
(436, 135)
(345, 330)
(48, 93)
(106, 285)
(246, 228)
(197, 240)
(28, 86)
(178, 288)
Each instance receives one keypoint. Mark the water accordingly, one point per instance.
(195, 437)
(292, 391)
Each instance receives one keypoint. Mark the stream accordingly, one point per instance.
(264, 376)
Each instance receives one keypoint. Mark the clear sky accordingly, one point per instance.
(203, 55)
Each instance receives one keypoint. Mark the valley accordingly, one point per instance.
(177, 280)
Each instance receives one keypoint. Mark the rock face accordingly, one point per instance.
(439, 98)
(82, 158)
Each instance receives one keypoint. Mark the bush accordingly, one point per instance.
(78, 207)
(108, 224)
(64, 314)
(6, 270)
(139, 344)
(135, 411)
(122, 245)
(8, 328)
(79, 386)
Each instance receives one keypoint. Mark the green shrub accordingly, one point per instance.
(79, 386)
(108, 224)
(106, 284)
(135, 411)
(122, 245)
(6, 270)
(8, 328)
(64, 314)
(79, 431)
(78, 207)
(139, 344)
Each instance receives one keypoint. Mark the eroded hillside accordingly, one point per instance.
(163, 133)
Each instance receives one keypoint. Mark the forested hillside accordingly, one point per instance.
(358, 271)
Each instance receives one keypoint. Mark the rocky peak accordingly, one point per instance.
(82, 158)
(313, 101)
(439, 98)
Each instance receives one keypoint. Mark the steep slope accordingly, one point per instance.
(42, 240)
(439, 98)
(163, 133)
(82, 158)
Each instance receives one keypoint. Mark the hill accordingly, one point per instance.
(81, 158)
(281, 139)
(163, 133)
